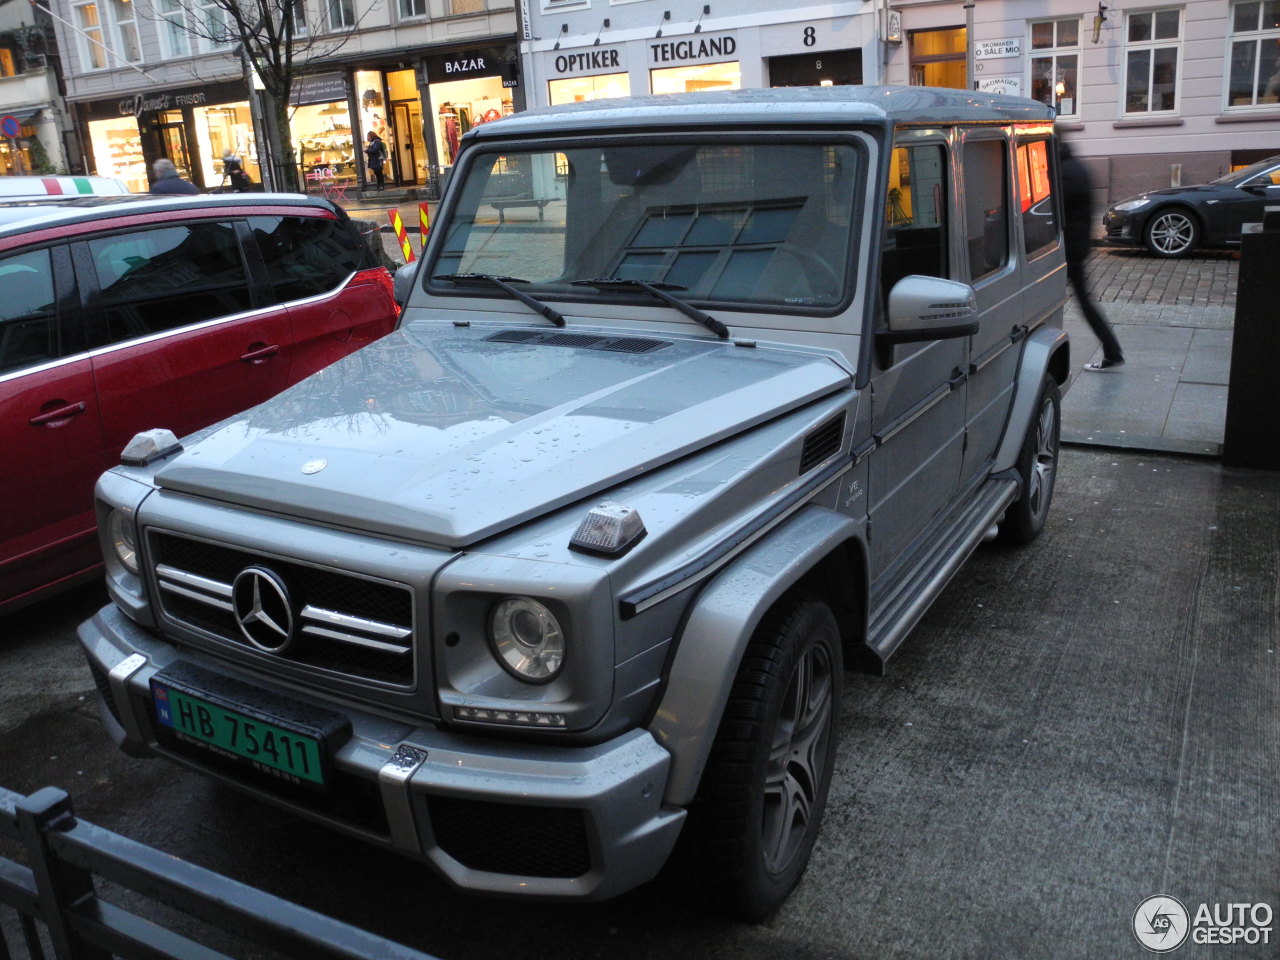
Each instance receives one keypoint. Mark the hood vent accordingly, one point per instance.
(583, 341)
(822, 443)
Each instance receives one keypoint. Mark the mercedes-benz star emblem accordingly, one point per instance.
(262, 609)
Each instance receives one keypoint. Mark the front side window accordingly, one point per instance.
(93, 52)
(986, 209)
(1055, 61)
(306, 256)
(915, 239)
(28, 311)
(168, 277)
(1255, 54)
(734, 222)
(342, 14)
(1152, 50)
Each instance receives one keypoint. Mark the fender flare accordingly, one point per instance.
(716, 633)
(1038, 356)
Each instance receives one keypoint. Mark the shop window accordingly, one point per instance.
(709, 76)
(938, 57)
(117, 152)
(7, 68)
(1255, 54)
(342, 14)
(306, 256)
(160, 279)
(1055, 59)
(93, 53)
(916, 215)
(986, 179)
(1152, 50)
(1035, 194)
(28, 311)
(580, 89)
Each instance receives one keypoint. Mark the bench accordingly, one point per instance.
(501, 203)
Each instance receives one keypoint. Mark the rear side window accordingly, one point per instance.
(306, 256)
(986, 180)
(28, 311)
(162, 278)
(1035, 192)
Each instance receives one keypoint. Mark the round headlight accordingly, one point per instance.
(123, 539)
(527, 639)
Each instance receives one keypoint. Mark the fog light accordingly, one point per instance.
(527, 639)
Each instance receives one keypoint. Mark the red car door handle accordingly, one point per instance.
(58, 413)
(264, 352)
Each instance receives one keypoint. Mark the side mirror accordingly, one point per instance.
(403, 283)
(930, 308)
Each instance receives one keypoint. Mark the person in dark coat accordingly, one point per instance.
(1077, 233)
(167, 179)
(234, 173)
(376, 153)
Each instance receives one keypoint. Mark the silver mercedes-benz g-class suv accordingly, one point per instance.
(695, 399)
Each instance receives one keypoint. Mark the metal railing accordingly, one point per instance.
(58, 891)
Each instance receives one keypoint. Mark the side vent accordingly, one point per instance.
(822, 443)
(583, 341)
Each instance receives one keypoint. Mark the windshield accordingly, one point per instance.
(747, 224)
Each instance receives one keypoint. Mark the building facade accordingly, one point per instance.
(29, 92)
(573, 50)
(143, 83)
(1151, 95)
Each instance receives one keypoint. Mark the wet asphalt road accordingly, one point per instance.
(1074, 727)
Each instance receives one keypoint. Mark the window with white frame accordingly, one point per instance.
(126, 30)
(1255, 54)
(412, 8)
(93, 53)
(175, 39)
(216, 27)
(1055, 64)
(1153, 47)
(342, 14)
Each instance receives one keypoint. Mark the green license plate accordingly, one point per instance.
(275, 736)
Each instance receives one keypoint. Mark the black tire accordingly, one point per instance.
(753, 823)
(1172, 232)
(1038, 468)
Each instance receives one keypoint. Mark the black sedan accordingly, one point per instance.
(1172, 223)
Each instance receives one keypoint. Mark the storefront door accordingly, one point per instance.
(173, 144)
(409, 152)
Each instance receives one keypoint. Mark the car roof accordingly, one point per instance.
(20, 216)
(781, 106)
(60, 186)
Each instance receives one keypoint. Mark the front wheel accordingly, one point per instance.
(1038, 468)
(1172, 233)
(753, 823)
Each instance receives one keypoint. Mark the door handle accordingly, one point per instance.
(58, 413)
(258, 353)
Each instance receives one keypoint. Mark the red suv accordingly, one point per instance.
(119, 314)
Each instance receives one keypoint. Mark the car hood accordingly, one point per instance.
(446, 435)
(1190, 194)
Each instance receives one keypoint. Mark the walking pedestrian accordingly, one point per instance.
(1077, 202)
(376, 152)
(233, 173)
(168, 180)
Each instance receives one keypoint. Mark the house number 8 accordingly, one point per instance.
(810, 36)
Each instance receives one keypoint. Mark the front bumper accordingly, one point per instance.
(575, 822)
(1121, 227)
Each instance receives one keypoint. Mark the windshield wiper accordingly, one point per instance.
(659, 290)
(505, 284)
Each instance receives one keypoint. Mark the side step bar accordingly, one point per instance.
(901, 606)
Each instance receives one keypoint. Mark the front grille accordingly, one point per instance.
(512, 839)
(343, 623)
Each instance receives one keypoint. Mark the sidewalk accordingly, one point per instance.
(1174, 319)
